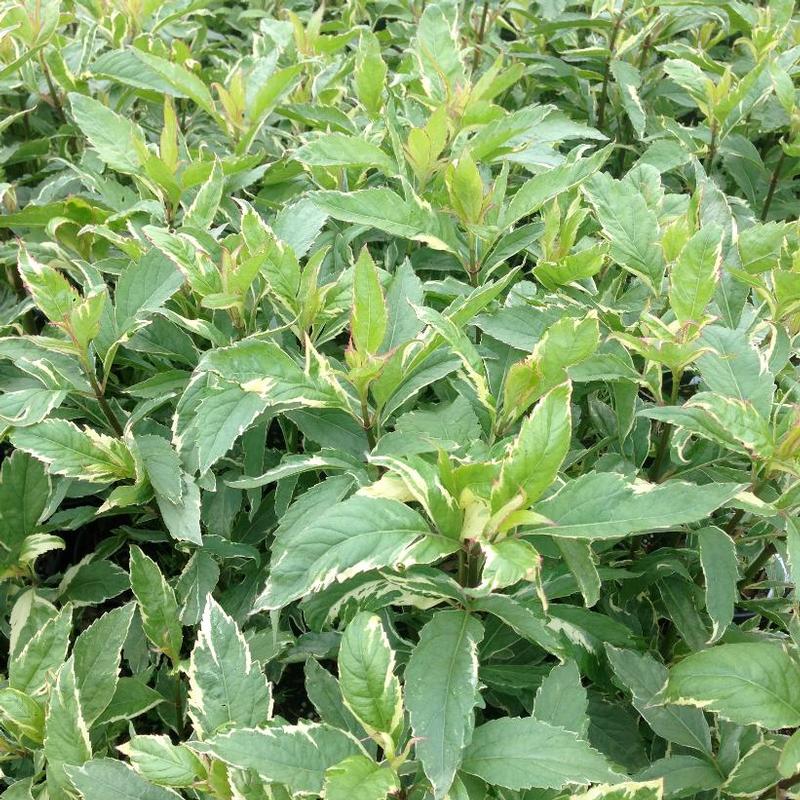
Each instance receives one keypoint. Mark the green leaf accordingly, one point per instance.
(102, 778)
(29, 406)
(222, 418)
(630, 226)
(182, 518)
(629, 790)
(721, 570)
(437, 51)
(735, 368)
(131, 699)
(67, 450)
(789, 761)
(369, 686)
(441, 688)
(66, 738)
(97, 655)
(360, 778)
(143, 288)
(645, 678)
(523, 753)
(117, 140)
(225, 685)
(157, 605)
(629, 80)
(24, 495)
(142, 70)
(196, 582)
(562, 701)
(693, 279)
(204, 207)
(755, 772)
(160, 761)
(534, 458)
(340, 150)
(521, 619)
(607, 506)
(42, 654)
(162, 465)
(269, 373)
(53, 294)
(353, 536)
(383, 209)
(580, 559)
(294, 755)
(752, 683)
(507, 562)
(541, 189)
(369, 320)
(370, 73)
(21, 715)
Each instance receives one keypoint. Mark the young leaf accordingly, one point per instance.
(694, 277)
(630, 226)
(368, 326)
(359, 778)
(535, 456)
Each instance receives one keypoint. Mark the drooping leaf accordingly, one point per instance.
(441, 689)
(749, 683)
(225, 685)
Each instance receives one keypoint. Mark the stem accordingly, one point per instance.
(476, 58)
(462, 567)
(26, 320)
(712, 147)
(773, 184)
(666, 433)
(366, 422)
(758, 564)
(612, 46)
(101, 398)
(779, 789)
(178, 704)
(51, 87)
(646, 44)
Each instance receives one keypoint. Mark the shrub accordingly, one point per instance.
(399, 400)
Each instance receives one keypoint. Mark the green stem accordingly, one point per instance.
(100, 396)
(662, 448)
(476, 57)
(51, 87)
(712, 147)
(758, 564)
(612, 46)
(366, 422)
(773, 184)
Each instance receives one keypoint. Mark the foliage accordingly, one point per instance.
(399, 399)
